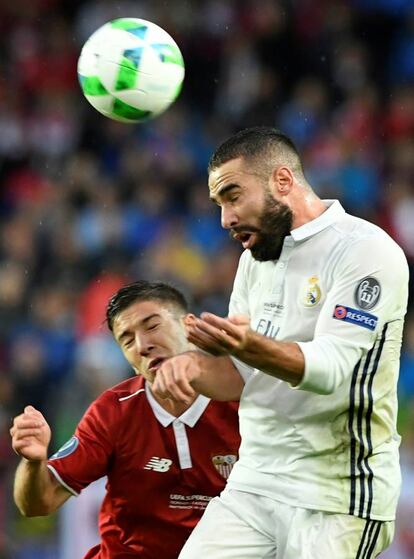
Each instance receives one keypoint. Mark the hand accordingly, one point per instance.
(174, 376)
(220, 336)
(30, 435)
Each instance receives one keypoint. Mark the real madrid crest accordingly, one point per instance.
(224, 463)
(312, 294)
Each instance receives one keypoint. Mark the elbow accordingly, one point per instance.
(320, 389)
(30, 510)
(326, 386)
(335, 381)
(321, 384)
(325, 390)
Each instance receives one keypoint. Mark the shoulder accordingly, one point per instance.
(112, 411)
(126, 388)
(353, 229)
(360, 239)
(122, 392)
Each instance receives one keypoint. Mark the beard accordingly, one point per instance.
(275, 223)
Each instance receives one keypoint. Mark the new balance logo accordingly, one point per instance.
(158, 464)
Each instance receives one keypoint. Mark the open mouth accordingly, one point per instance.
(246, 238)
(155, 363)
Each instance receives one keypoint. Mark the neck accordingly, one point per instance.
(173, 407)
(308, 208)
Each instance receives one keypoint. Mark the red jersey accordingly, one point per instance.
(162, 471)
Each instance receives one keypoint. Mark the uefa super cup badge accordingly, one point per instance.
(312, 293)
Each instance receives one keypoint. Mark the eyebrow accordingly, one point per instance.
(144, 321)
(225, 190)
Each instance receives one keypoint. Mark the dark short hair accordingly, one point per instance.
(143, 291)
(252, 143)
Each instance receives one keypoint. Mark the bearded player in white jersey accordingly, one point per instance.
(314, 328)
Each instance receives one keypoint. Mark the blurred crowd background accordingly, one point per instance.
(87, 204)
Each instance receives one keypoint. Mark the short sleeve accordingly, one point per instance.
(85, 457)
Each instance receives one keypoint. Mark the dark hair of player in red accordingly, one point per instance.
(143, 291)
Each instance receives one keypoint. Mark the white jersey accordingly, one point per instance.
(340, 290)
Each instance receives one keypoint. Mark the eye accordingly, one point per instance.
(129, 342)
(153, 326)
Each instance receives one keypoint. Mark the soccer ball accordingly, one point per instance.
(130, 70)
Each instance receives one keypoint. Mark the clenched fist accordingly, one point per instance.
(30, 435)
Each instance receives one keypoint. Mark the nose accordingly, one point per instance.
(228, 217)
(144, 346)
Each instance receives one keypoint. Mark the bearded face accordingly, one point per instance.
(265, 241)
(249, 209)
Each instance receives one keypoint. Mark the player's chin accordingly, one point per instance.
(148, 374)
(151, 375)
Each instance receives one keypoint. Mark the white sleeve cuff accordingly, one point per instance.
(314, 378)
(328, 362)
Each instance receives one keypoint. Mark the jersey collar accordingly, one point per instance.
(334, 211)
(189, 417)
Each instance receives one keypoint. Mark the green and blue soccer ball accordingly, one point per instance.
(130, 70)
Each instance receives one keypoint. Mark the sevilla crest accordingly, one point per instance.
(224, 463)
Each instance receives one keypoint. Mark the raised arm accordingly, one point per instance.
(234, 336)
(343, 332)
(36, 490)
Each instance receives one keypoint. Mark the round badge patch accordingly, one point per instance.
(340, 312)
(70, 446)
(367, 293)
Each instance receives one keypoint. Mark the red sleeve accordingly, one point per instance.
(85, 457)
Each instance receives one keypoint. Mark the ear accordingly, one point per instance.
(188, 320)
(281, 180)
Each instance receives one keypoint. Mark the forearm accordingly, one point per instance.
(34, 488)
(283, 360)
(219, 379)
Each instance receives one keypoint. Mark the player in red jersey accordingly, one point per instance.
(164, 459)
